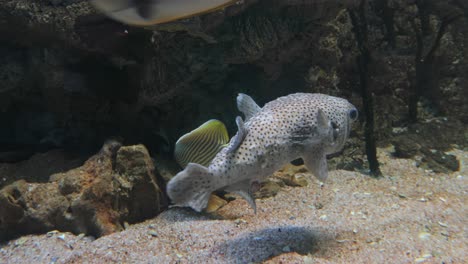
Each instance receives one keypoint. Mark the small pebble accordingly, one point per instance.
(153, 233)
(442, 224)
(419, 260)
(21, 241)
(53, 260)
(239, 221)
(287, 249)
(423, 258)
(424, 235)
(51, 233)
(318, 205)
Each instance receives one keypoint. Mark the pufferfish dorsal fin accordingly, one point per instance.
(202, 144)
(247, 106)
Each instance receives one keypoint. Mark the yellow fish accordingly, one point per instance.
(151, 12)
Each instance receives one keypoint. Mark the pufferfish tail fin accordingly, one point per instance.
(202, 144)
(191, 187)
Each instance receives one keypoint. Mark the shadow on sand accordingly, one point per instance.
(267, 243)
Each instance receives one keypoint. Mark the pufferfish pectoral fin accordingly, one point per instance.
(322, 119)
(202, 144)
(239, 137)
(316, 162)
(247, 106)
(243, 188)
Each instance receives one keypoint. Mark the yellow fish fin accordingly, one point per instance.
(202, 144)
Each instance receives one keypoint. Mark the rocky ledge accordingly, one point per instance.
(113, 188)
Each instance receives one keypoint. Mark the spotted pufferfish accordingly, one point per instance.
(302, 125)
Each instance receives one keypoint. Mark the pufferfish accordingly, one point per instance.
(151, 12)
(302, 125)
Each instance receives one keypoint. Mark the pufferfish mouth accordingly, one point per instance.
(340, 135)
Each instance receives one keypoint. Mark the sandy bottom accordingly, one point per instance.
(408, 216)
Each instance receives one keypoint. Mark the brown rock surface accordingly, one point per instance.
(410, 215)
(38, 167)
(115, 186)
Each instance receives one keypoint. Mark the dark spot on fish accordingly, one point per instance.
(297, 162)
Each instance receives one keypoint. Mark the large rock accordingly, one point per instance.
(429, 142)
(87, 76)
(115, 186)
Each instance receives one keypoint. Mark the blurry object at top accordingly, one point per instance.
(151, 12)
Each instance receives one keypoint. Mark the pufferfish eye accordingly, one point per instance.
(353, 114)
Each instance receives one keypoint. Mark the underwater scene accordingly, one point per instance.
(233, 131)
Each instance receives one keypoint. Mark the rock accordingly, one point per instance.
(300, 179)
(405, 147)
(39, 166)
(268, 188)
(293, 175)
(139, 191)
(430, 140)
(215, 203)
(30, 208)
(116, 185)
(439, 162)
(90, 76)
